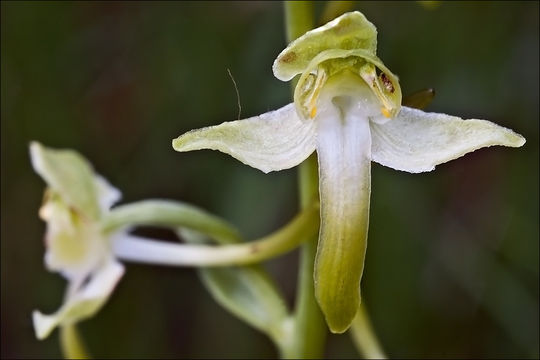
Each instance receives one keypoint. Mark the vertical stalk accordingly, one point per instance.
(309, 333)
(298, 18)
(71, 343)
(310, 327)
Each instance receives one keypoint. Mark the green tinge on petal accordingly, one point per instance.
(343, 150)
(349, 31)
(417, 141)
(68, 174)
(272, 141)
(83, 303)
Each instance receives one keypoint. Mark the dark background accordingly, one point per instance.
(452, 268)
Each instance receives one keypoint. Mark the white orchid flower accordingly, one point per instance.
(75, 201)
(347, 108)
(85, 237)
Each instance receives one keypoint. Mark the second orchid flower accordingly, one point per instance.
(347, 108)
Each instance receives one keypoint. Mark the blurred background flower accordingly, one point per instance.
(454, 275)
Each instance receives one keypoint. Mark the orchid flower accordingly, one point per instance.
(85, 238)
(347, 108)
(75, 201)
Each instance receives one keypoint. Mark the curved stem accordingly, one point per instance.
(169, 214)
(364, 337)
(138, 249)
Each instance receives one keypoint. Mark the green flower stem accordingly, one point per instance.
(309, 335)
(298, 18)
(335, 8)
(364, 337)
(171, 214)
(71, 343)
(310, 332)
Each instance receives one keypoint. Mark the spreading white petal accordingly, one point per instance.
(106, 193)
(272, 141)
(343, 148)
(417, 141)
(83, 302)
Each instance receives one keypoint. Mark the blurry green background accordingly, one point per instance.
(452, 268)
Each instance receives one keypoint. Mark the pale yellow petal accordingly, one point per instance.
(272, 141)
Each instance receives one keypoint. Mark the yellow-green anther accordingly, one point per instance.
(384, 86)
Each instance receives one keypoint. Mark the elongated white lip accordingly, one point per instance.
(343, 148)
